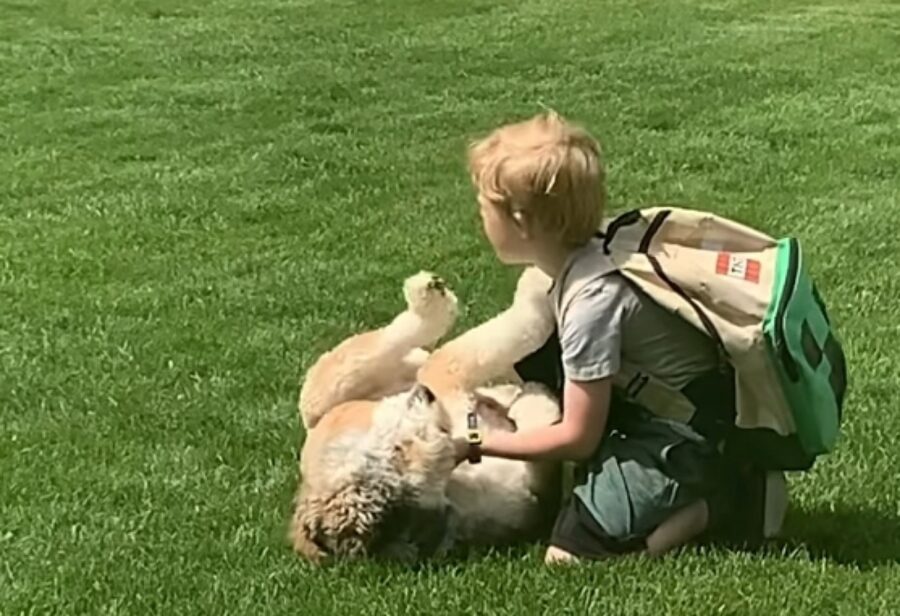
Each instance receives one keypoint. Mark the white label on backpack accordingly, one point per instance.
(737, 266)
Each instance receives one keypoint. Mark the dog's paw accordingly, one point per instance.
(535, 407)
(428, 296)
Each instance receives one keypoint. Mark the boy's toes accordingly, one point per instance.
(558, 556)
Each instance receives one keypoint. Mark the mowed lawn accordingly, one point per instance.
(197, 198)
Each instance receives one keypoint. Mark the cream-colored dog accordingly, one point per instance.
(378, 471)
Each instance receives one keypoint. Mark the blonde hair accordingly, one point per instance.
(546, 168)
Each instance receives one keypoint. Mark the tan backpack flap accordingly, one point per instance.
(760, 402)
(722, 263)
(725, 272)
(706, 231)
(732, 288)
(736, 286)
(733, 336)
(683, 227)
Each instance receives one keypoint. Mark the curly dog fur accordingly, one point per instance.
(378, 475)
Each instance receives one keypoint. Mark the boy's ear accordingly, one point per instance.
(520, 219)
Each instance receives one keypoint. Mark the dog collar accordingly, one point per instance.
(473, 437)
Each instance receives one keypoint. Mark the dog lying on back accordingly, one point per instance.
(378, 471)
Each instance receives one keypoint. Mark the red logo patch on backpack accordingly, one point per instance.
(737, 266)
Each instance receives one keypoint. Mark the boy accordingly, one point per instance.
(646, 482)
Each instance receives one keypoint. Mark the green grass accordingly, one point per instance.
(198, 198)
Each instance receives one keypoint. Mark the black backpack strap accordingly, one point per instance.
(644, 249)
(623, 220)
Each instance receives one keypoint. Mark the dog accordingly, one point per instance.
(378, 471)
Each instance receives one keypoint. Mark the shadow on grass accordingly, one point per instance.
(854, 536)
(847, 535)
(860, 537)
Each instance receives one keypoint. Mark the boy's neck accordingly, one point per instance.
(551, 257)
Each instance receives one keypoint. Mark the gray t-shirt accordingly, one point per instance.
(604, 320)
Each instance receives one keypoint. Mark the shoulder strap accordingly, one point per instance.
(635, 216)
(624, 220)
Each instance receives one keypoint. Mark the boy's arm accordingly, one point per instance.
(574, 438)
(591, 340)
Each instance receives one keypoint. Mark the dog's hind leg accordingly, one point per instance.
(534, 407)
(368, 364)
(405, 376)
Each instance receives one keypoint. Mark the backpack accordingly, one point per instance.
(754, 297)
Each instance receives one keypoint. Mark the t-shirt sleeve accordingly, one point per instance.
(591, 331)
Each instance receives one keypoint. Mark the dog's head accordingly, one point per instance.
(374, 478)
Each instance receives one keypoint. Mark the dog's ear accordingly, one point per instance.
(422, 394)
(340, 524)
(304, 529)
